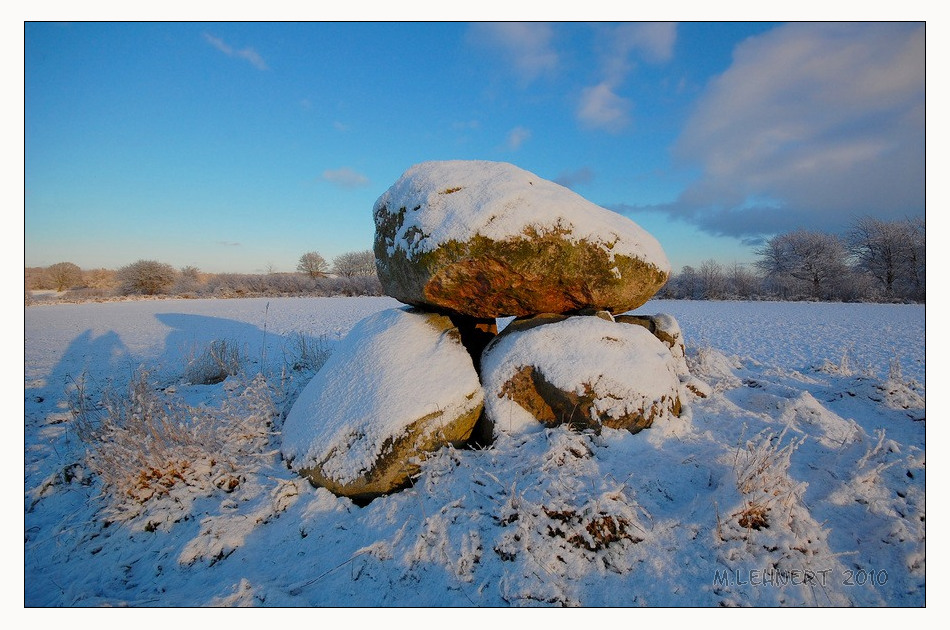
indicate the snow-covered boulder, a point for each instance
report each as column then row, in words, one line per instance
column 488, row 239
column 399, row 385
column 665, row 328
column 584, row 371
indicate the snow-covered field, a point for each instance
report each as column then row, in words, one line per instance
column 799, row 481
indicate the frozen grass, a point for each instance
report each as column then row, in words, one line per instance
column 220, row 359
column 306, row 353
column 153, row 451
column 761, row 469
column 798, row 462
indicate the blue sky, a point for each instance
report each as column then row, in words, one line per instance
column 240, row 146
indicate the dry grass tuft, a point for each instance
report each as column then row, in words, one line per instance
column 307, row 353
column 761, row 470
column 221, row 359
column 147, row 446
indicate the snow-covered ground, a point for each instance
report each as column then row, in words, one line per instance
column 799, row 481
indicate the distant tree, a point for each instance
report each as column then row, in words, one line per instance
column 147, row 277
column 64, row 275
column 188, row 280
column 361, row 263
column 891, row 252
column 688, row 284
column 312, row 264
column 918, row 260
column 742, row 282
column 814, row 259
column 99, row 278
column 36, row 278
column 713, row 280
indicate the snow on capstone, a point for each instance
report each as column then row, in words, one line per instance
column 500, row 200
column 396, row 369
column 489, row 239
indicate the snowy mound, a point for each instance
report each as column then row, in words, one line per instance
column 582, row 371
column 399, row 385
column 489, row 239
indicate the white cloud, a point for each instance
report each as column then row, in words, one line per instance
column 526, row 46
column 346, row 178
column 247, row 54
column 620, row 47
column 826, row 120
column 651, row 41
column 517, row 137
column 654, row 40
column 601, row 108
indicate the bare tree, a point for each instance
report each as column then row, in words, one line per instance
column 64, row 275
column 688, row 284
column 312, row 264
column 892, row 252
column 815, row 259
column 918, row 258
column 99, row 278
column 188, row 281
column 146, row 276
column 361, row 263
column 713, row 280
column 880, row 248
column 742, row 282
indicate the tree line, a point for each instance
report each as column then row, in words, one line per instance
column 351, row 273
column 875, row 260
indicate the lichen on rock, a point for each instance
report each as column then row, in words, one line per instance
column 583, row 371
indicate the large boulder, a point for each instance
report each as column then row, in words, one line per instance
column 400, row 385
column 665, row 328
column 488, row 239
column 584, row 371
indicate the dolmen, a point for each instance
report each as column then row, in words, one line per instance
column 463, row 244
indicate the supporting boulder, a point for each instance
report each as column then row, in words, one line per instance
column 399, row 386
column 583, row 371
column 665, row 328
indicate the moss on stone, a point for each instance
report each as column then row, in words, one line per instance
column 399, row 457
column 543, row 270
column 553, row 406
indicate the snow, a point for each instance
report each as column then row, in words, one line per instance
column 394, row 368
column 626, row 368
column 456, row 200
column 800, row 479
